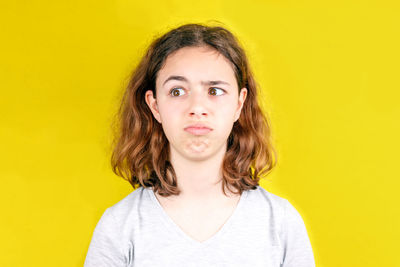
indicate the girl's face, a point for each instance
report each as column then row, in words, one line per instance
column 197, row 102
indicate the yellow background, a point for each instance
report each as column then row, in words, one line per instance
column 329, row 71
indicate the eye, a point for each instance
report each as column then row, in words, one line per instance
column 214, row 91
column 175, row 91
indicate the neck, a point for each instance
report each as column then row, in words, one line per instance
column 199, row 180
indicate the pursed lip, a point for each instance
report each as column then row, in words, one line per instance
column 198, row 125
column 198, row 129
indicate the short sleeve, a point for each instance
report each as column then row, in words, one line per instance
column 296, row 243
column 105, row 247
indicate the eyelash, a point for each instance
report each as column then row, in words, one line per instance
column 170, row 92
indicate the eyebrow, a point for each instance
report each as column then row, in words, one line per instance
column 182, row 78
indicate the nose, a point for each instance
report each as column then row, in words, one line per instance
column 198, row 105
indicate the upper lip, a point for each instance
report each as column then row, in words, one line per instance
column 198, row 125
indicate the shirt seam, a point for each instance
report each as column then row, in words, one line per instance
column 117, row 244
column 284, row 231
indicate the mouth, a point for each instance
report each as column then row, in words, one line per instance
column 198, row 129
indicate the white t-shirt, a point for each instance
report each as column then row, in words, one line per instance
column 264, row 230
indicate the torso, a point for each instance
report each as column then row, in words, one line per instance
column 199, row 221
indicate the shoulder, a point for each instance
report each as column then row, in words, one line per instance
column 130, row 204
column 277, row 203
column 273, row 201
column 270, row 207
column 116, row 215
column 111, row 244
column 279, row 210
column 119, row 221
column 288, row 224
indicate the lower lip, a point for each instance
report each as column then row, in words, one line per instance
column 198, row 130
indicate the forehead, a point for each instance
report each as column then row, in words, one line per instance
column 197, row 63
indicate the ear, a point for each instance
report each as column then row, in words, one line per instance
column 152, row 103
column 242, row 98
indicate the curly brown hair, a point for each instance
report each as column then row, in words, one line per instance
column 140, row 150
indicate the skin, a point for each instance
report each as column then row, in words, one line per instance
column 197, row 159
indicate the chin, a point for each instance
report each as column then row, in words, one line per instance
column 198, row 158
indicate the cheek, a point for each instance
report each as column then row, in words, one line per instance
column 227, row 111
column 169, row 119
column 225, row 120
column 227, row 115
column 167, row 113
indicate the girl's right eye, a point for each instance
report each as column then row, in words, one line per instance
column 175, row 91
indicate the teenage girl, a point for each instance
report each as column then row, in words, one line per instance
column 193, row 142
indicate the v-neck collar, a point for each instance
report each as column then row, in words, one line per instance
column 170, row 223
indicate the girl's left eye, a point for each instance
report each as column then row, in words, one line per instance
column 214, row 91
